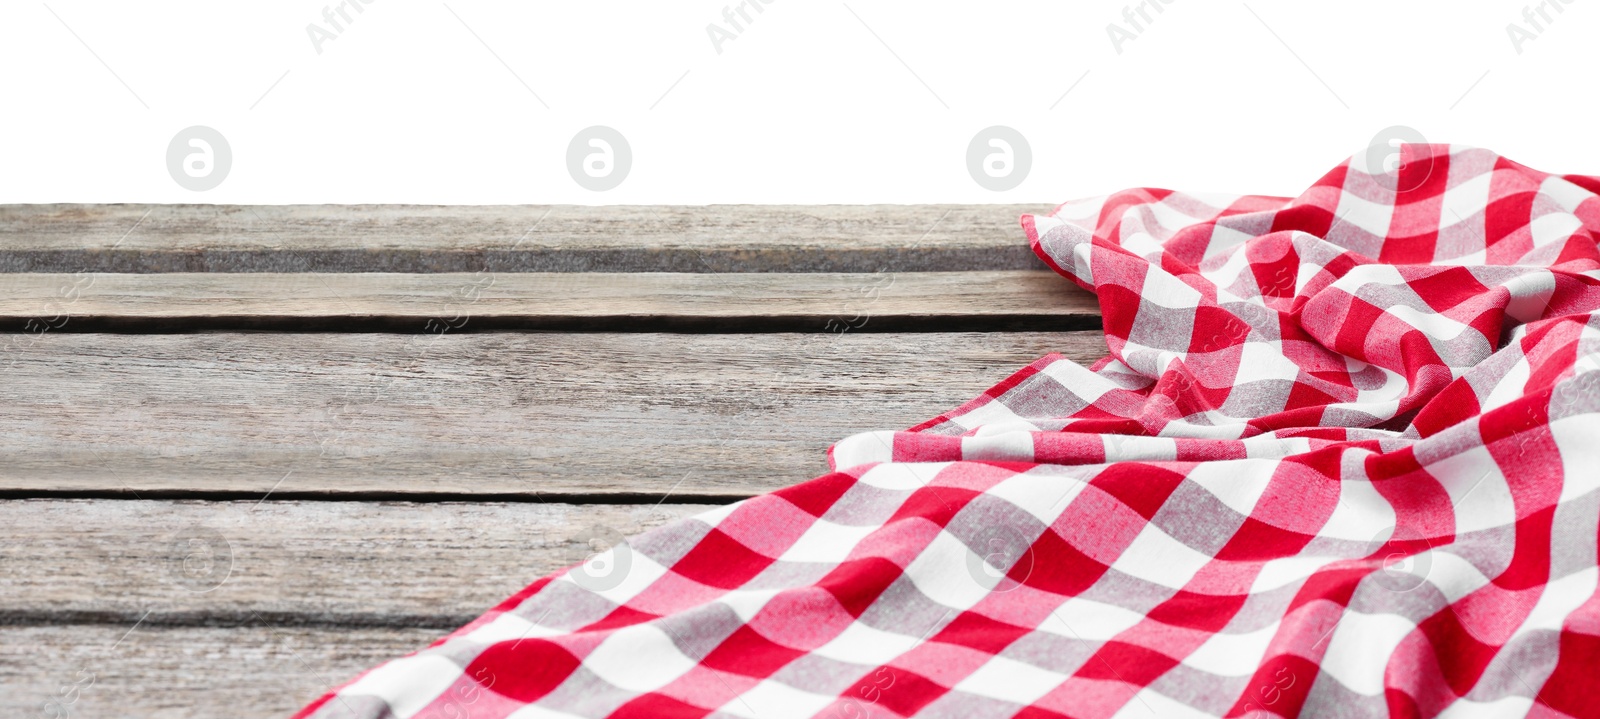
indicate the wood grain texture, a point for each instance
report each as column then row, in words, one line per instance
column 526, row 238
column 144, row 601
column 435, row 303
column 244, row 672
column 592, row 417
column 328, row 564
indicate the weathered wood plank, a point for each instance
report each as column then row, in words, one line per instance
column 630, row 417
column 330, row 564
column 384, row 302
column 556, row 238
column 117, row 671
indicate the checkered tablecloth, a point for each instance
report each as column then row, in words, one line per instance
column 1343, row 460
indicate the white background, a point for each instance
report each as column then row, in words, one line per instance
column 816, row 101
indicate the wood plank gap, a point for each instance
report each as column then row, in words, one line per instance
column 336, row 495
column 152, row 617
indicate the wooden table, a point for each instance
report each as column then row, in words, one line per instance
column 247, row 452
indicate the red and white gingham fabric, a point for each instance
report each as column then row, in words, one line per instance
column 1343, row 460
